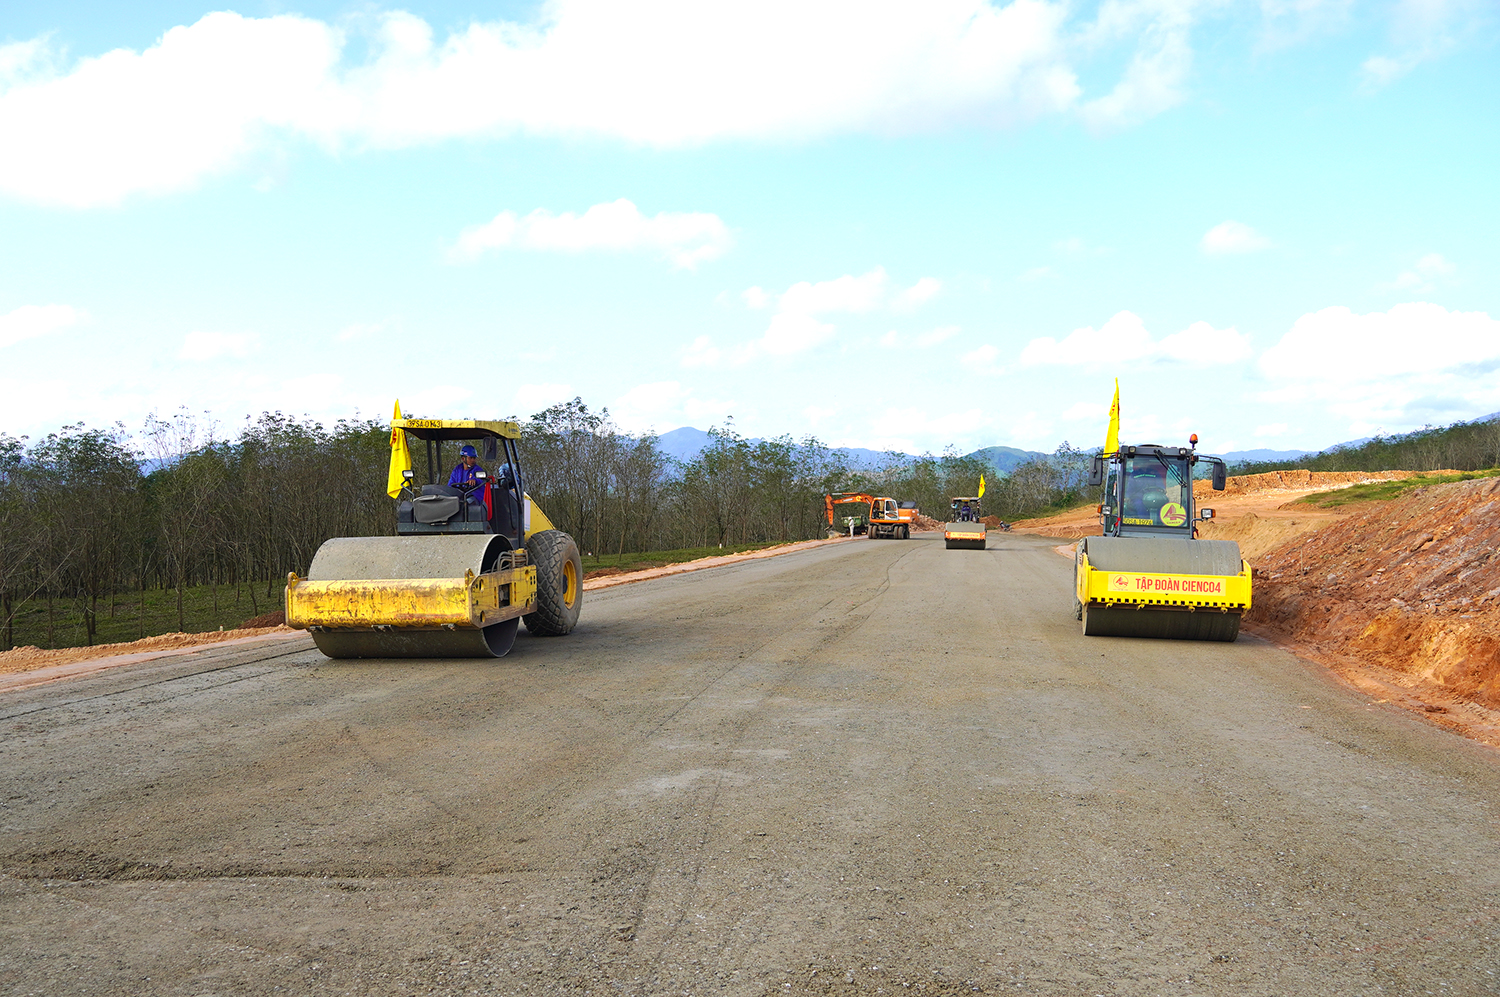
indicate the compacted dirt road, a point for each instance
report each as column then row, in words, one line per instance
column 872, row 767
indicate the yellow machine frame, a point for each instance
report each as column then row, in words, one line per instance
column 1124, row 589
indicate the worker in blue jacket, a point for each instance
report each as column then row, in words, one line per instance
column 463, row 475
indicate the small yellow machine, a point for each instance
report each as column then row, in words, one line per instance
column 468, row 563
column 1149, row 575
column 965, row 528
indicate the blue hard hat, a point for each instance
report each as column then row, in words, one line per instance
column 467, row 451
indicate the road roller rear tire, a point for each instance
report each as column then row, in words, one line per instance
column 1163, row 624
column 559, row 583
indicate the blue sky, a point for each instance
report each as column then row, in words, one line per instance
column 890, row 225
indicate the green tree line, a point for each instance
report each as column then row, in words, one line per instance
column 1462, row 446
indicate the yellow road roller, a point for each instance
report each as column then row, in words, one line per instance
column 965, row 528
column 471, row 559
column 1149, row 575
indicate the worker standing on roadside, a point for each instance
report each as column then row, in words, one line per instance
column 463, row 475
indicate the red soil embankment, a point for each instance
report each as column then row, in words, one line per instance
column 1411, row 585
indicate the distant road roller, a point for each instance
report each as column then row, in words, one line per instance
column 1149, row 575
column 965, row 528
column 470, row 560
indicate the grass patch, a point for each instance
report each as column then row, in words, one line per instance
column 131, row 620
column 1384, row 491
column 662, row 558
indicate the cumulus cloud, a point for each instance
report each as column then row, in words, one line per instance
column 1338, row 345
column 796, row 328
column 532, row 398
column 1232, row 237
column 35, row 321
column 1155, row 79
column 217, row 345
column 981, row 358
column 648, row 407
column 1424, row 273
column 917, row 295
column 844, row 294
column 1125, row 337
column 1417, row 362
column 664, row 73
column 1423, row 30
column 685, row 238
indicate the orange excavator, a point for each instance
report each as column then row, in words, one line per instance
column 882, row 516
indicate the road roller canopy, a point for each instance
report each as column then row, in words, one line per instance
column 459, row 429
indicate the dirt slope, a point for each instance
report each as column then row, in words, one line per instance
column 1411, row 586
column 1259, row 498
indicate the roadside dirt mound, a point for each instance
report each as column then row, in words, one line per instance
column 1411, row 585
column 29, row 658
column 925, row 524
column 1301, row 481
column 264, row 620
column 1261, row 498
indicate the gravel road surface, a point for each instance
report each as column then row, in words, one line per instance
column 873, row 767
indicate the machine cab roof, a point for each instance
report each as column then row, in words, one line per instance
column 459, row 429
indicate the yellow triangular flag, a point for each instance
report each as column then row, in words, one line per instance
column 981, row 486
column 400, row 457
column 1112, row 435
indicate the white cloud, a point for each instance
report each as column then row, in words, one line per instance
column 794, row 328
column 215, row 345
column 1271, row 430
column 1232, row 237
column 1423, row 30
column 1037, row 273
column 360, row 330
column 1337, row 345
column 917, row 295
column 34, row 321
column 1125, row 339
column 1415, row 364
column 1155, row 78
column 530, row 399
column 193, row 104
column 663, row 405
column 702, row 352
column 941, row 334
column 1093, row 411
column 1202, row 343
column 663, row 73
column 981, row 358
column 792, row 332
column 685, row 238
column 1289, row 22
column 756, row 297
column 1424, row 273
column 844, row 294
column 963, row 427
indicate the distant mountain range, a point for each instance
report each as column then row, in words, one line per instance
column 687, row 443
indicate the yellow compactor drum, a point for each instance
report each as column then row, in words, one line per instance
column 449, row 596
column 1161, row 587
